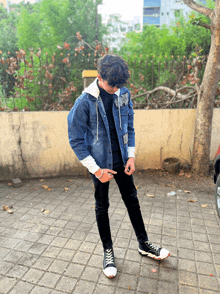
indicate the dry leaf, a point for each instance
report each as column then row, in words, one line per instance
column 43, row 209
column 188, row 176
column 129, row 288
column 191, row 200
column 204, row 205
column 46, row 211
column 6, row 208
column 69, row 180
column 137, row 187
column 187, row 191
column 93, row 207
column 66, row 189
column 45, row 187
column 48, row 189
column 41, row 180
column 10, row 184
column 154, row 270
column 148, row 195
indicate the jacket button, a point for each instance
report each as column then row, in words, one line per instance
column 110, row 152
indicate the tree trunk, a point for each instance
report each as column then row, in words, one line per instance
column 205, row 104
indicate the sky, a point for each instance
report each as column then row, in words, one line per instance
column 128, row 9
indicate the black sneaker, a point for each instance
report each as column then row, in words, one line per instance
column 148, row 249
column 109, row 267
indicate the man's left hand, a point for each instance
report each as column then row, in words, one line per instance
column 129, row 169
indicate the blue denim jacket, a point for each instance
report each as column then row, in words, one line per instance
column 88, row 128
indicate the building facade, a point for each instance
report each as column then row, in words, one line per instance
column 159, row 12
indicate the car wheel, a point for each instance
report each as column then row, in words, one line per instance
column 217, row 195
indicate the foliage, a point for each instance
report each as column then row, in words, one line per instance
column 55, row 22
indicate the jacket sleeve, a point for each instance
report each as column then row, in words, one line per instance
column 77, row 129
column 131, row 132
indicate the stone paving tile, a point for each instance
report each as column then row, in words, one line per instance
column 61, row 252
column 22, row 288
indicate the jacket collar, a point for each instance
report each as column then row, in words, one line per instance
column 93, row 90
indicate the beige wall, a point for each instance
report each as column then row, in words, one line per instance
column 35, row 144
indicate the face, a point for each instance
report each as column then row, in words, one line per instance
column 104, row 85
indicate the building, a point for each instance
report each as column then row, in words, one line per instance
column 4, row 3
column 159, row 12
column 119, row 29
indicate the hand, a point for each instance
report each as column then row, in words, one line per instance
column 106, row 176
column 129, row 168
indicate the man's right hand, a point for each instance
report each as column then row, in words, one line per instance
column 106, row 176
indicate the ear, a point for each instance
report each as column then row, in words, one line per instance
column 99, row 77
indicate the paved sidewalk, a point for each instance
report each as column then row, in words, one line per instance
column 60, row 251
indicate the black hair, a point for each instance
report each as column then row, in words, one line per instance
column 113, row 69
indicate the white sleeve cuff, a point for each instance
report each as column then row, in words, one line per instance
column 131, row 151
column 89, row 162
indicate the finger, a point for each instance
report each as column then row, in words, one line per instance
column 112, row 171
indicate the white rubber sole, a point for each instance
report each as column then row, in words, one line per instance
column 144, row 253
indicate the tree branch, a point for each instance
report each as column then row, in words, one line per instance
column 167, row 90
column 202, row 24
column 199, row 8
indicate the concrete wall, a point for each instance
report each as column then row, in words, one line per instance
column 35, row 144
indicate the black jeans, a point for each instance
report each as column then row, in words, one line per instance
column 129, row 196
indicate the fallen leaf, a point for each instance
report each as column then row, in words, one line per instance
column 191, row 200
column 188, row 176
column 36, row 188
column 43, row 209
column 149, row 195
column 211, row 275
column 45, row 187
column 204, row 205
column 154, row 270
column 66, row 189
column 137, row 187
column 69, row 180
column 41, row 180
column 10, row 184
column 129, row 288
column 46, row 211
column 93, row 207
column 6, row 208
column 48, row 189
column 187, row 191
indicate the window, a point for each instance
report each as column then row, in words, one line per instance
column 152, row 11
column 167, row 13
column 161, row 13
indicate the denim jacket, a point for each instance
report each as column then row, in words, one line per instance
column 88, row 128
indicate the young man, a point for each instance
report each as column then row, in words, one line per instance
column 101, row 133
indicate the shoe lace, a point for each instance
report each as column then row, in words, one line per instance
column 109, row 257
column 155, row 247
